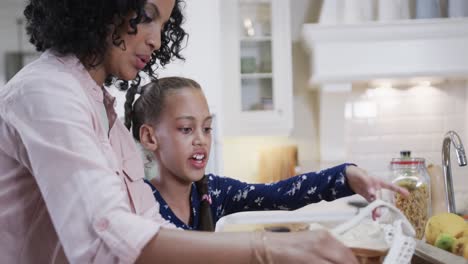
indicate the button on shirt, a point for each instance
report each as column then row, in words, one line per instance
column 71, row 188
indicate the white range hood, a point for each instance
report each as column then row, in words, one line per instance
column 396, row 50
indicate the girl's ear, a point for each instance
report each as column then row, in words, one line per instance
column 148, row 137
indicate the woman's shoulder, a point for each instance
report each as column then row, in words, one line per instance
column 48, row 70
column 48, row 73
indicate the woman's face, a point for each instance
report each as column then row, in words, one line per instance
column 183, row 134
column 127, row 60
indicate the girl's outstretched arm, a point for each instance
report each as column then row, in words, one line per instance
column 231, row 196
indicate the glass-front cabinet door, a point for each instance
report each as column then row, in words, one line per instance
column 257, row 88
column 255, row 55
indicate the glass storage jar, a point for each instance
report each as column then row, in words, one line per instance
column 411, row 174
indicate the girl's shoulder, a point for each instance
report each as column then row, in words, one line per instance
column 222, row 182
column 213, row 178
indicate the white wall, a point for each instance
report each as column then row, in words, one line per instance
column 10, row 11
column 305, row 100
column 202, row 53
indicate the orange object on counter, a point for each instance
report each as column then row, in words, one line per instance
column 277, row 163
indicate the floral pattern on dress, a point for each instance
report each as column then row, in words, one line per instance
column 231, row 196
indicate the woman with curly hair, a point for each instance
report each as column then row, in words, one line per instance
column 71, row 180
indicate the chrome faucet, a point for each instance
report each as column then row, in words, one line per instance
column 451, row 137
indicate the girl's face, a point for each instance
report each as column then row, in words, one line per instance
column 127, row 60
column 183, row 134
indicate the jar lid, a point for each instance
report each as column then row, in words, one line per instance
column 406, row 161
column 406, row 154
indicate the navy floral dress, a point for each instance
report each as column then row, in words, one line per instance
column 230, row 196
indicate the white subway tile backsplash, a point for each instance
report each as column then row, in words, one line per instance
column 361, row 127
column 386, row 127
column 368, row 145
column 371, row 162
column 379, row 123
column 425, row 106
column 364, row 109
column 456, row 123
column 392, row 107
column 430, row 125
column 393, row 119
column 424, row 91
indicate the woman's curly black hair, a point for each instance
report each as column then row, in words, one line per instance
column 81, row 28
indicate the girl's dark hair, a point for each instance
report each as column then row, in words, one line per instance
column 147, row 109
column 206, row 215
column 81, row 28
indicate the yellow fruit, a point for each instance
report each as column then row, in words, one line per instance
column 445, row 241
column 443, row 223
column 463, row 233
column 460, row 247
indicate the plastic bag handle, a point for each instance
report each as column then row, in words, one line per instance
column 407, row 228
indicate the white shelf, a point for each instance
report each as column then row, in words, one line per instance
column 256, row 75
column 256, row 39
column 255, row 1
column 393, row 50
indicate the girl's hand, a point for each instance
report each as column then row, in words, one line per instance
column 368, row 186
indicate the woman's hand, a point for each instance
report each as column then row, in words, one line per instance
column 368, row 186
column 318, row 247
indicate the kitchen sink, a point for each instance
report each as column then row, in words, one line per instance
column 428, row 254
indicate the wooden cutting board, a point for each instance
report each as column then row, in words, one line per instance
column 427, row 254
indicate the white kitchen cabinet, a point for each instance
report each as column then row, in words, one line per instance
column 257, row 82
